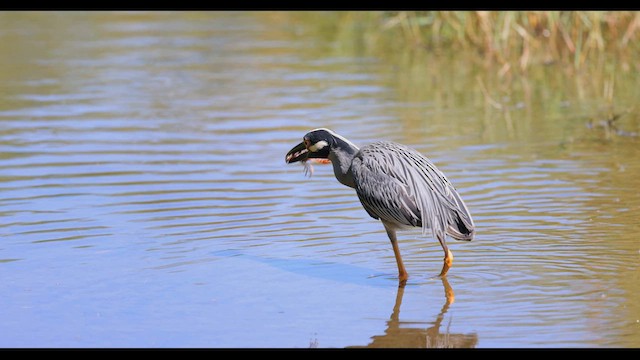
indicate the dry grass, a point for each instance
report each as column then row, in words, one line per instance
column 511, row 39
column 509, row 60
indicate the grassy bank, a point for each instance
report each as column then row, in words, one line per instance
column 587, row 61
column 517, row 39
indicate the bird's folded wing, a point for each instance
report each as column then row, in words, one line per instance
column 399, row 184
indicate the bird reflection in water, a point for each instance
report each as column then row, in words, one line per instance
column 398, row 336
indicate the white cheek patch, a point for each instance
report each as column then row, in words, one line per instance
column 317, row 146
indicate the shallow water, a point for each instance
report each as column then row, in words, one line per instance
column 145, row 201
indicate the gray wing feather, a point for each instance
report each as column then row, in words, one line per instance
column 399, row 185
column 385, row 198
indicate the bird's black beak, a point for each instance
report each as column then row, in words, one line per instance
column 298, row 153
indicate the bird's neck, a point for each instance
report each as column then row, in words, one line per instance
column 341, row 156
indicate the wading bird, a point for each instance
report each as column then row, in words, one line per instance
column 395, row 184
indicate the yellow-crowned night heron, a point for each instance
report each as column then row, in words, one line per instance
column 395, row 184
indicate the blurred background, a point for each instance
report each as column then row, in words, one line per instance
column 145, row 201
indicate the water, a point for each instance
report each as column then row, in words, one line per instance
column 145, row 201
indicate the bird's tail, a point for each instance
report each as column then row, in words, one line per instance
column 461, row 230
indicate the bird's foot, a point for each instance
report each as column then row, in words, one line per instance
column 449, row 258
column 448, row 261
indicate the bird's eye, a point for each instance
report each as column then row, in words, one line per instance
column 307, row 143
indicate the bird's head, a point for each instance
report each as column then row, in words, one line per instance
column 316, row 144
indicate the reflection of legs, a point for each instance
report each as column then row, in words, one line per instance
column 396, row 308
column 448, row 256
column 402, row 273
column 448, row 294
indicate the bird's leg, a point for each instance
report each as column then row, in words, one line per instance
column 448, row 257
column 402, row 273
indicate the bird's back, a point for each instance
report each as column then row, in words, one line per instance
column 402, row 187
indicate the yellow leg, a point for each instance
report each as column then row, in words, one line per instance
column 448, row 261
column 402, row 272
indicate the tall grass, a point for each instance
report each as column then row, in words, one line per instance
column 514, row 39
column 512, row 63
